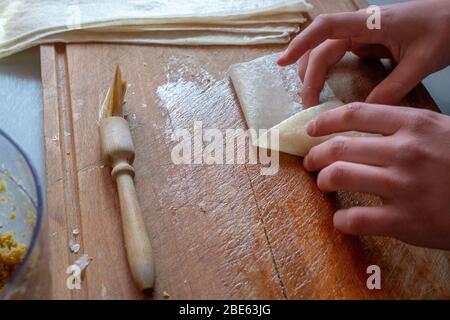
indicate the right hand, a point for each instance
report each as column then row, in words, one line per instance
column 414, row 34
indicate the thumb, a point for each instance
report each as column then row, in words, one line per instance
column 408, row 74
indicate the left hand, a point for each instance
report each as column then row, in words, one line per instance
column 408, row 166
column 418, row 44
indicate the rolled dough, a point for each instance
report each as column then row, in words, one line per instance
column 292, row 131
column 268, row 95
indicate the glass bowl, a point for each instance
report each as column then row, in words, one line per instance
column 23, row 238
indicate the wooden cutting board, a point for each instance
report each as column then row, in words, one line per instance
column 218, row 232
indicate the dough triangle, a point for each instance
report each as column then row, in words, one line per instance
column 293, row 138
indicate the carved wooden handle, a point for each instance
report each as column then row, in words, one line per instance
column 139, row 250
column 118, row 148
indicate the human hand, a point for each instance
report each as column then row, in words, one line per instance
column 408, row 166
column 414, row 34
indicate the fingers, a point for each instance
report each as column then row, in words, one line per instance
column 365, row 150
column 347, row 176
column 375, row 221
column 362, row 117
column 330, row 26
column 321, row 59
column 302, row 65
column 402, row 80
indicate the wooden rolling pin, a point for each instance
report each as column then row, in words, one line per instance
column 118, row 150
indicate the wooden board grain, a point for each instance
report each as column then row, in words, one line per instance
column 218, row 232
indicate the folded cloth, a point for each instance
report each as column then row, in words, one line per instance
column 27, row 23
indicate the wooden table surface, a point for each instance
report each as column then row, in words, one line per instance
column 218, row 232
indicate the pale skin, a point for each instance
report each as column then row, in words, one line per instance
column 408, row 163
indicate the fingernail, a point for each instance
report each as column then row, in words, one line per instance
column 339, row 221
column 311, row 128
column 281, row 58
column 305, row 163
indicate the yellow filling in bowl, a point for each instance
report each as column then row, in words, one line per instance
column 11, row 255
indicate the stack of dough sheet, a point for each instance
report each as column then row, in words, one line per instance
column 268, row 95
column 26, row 23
